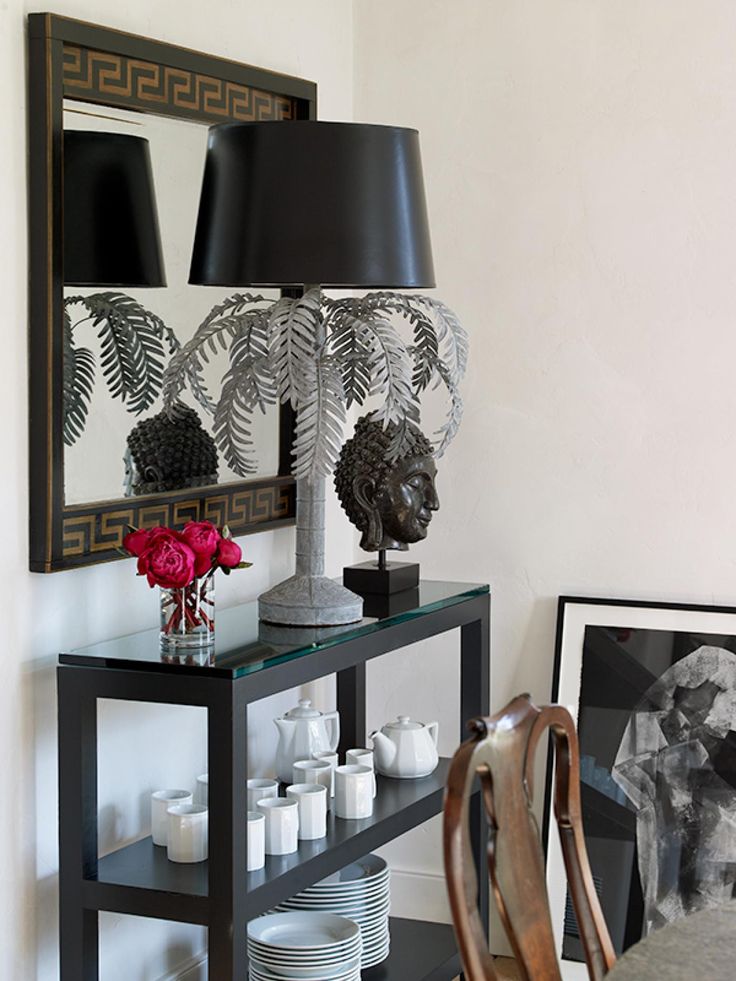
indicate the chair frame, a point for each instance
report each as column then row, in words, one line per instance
column 501, row 753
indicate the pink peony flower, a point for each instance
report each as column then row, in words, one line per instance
column 136, row 542
column 168, row 563
column 229, row 554
column 203, row 538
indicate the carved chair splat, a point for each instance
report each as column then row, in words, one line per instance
column 500, row 753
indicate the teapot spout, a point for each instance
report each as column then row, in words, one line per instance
column 385, row 750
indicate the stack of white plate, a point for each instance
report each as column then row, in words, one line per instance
column 361, row 892
column 297, row 946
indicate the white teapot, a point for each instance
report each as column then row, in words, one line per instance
column 406, row 749
column 304, row 731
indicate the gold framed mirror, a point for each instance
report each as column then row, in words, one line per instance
column 100, row 340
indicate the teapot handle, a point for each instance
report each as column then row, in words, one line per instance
column 434, row 729
column 334, row 719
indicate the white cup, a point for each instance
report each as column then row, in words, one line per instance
column 201, row 791
column 362, row 757
column 333, row 760
column 161, row 801
column 187, row 833
column 312, row 801
column 259, row 790
column 353, row 791
column 313, row 771
column 256, row 840
column 282, row 825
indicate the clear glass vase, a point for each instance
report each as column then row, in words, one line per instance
column 188, row 615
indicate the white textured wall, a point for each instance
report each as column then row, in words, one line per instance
column 140, row 747
column 579, row 158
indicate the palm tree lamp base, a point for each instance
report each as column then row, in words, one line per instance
column 310, row 601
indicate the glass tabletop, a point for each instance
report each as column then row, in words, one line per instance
column 244, row 645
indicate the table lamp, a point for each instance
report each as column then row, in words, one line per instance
column 111, row 234
column 312, row 204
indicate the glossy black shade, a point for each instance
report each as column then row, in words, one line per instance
column 111, row 234
column 292, row 203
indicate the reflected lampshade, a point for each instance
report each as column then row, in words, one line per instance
column 295, row 203
column 111, row 234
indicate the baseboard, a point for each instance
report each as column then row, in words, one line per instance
column 414, row 896
column 193, row 969
column 419, row 896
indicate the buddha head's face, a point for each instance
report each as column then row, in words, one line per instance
column 390, row 501
column 403, row 501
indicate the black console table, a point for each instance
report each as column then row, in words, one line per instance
column 250, row 662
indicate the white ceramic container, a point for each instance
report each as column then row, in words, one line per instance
column 313, row 771
column 161, row 801
column 406, row 749
column 187, row 833
column 304, row 731
column 353, row 791
column 334, row 760
column 256, row 840
column 202, row 790
column 312, row 801
column 282, row 825
column 362, row 757
column 260, row 790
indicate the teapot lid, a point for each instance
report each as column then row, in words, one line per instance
column 404, row 722
column 303, row 710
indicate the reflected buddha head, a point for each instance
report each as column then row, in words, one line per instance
column 389, row 500
column 169, row 453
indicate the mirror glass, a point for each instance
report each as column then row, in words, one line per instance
column 112, row 383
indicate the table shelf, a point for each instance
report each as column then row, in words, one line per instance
column 138, row 879
column 400, row 805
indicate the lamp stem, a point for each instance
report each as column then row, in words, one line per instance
column 310, row 498
column 308, row 598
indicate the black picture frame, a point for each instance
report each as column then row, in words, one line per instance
column 71, row 59
column 622, row 651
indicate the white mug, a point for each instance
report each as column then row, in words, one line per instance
column 259, row 790
column 313, row 771
column 187, row 833
column 333, row 759
column 362, row 757
column 161, row 801
column 282, row 825
column 201, row 792
column 353, row 791
column 256, row 840
column 312, row 801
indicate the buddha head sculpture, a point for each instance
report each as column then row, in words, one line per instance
column 165, row 454
column 390, row 501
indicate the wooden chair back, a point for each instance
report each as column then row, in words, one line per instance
column 501, row 754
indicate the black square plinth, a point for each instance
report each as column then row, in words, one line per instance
column 368, row 577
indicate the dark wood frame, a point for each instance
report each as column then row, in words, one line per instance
column 72, row 59
column 623, row 604
column 501, row 754
column 220, row 894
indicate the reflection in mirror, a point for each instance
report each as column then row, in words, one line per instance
column 125, row 317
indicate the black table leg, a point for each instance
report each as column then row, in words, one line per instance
column 351, row 706
column 474, row 701
column 77, row 724
column 227, row 732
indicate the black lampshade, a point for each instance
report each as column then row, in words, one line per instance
column 111, row 235
column 331, row 204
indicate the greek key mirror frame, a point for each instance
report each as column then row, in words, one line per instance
column 70, row 59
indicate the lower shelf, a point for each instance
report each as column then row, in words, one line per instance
column 420, row 951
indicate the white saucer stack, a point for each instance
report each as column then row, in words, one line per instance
column 304, row 946
column 362, row 893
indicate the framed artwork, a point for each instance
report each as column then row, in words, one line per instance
column 652, row 689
